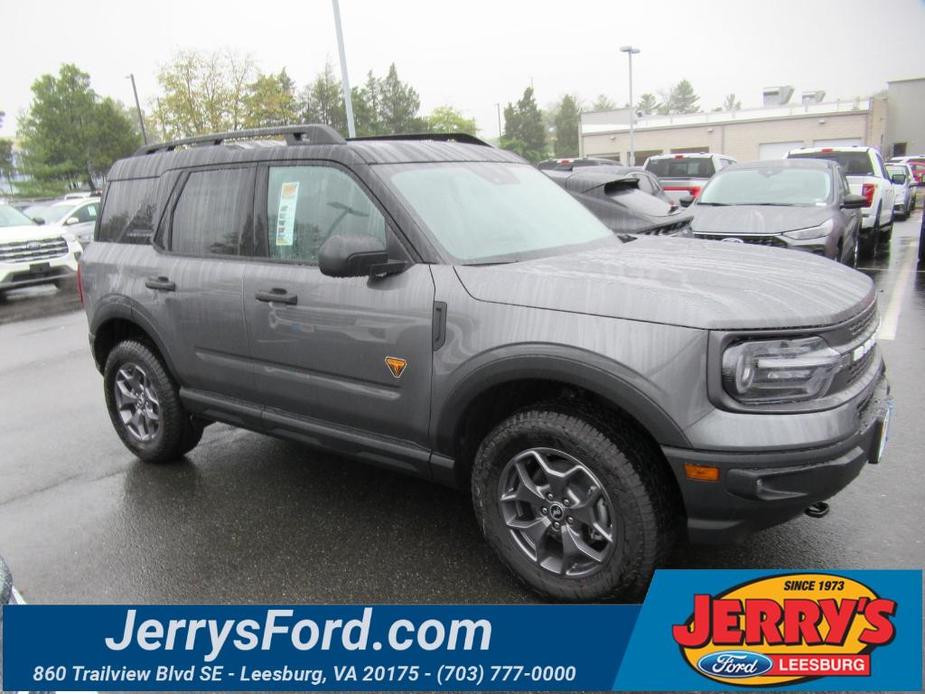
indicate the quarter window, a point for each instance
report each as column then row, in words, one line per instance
column 306, row 205
column 213, row 212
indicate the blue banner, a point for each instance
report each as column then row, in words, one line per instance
column 697, row 630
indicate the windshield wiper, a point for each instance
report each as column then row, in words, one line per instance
column 490, row 262
column 715, row 204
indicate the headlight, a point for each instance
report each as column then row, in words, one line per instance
column 767, row 371
column 818, row 232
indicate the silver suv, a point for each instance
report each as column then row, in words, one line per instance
column 444, row 309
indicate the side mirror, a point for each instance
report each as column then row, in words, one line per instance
column 686, row 201
column 854, row 202
column 71, row 220
column 38, row 220
column 898, row 178
column 356, row 255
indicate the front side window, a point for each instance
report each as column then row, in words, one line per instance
column 87, row 213
column 491, row 211
column 213, row 212
column 770, row 186
column 307, row 205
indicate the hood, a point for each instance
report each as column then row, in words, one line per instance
column 30, row 232
column 756, row 219
column 684, row 282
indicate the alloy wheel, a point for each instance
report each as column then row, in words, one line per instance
column 137, row 402
column 557, row 511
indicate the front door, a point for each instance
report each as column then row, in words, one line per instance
column 350, row 355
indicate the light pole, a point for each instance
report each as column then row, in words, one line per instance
column 500, row 132
column 344, row 81
column 141, row 119
column 630, row 52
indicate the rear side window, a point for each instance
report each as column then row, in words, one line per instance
column 852, row 163
column 128, row 212
column 213, row 212
column 688, row 167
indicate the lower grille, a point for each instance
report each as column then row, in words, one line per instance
column 31, row 251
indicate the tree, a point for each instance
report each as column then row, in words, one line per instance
column 647, row 105
column 270, row 100
column 398, row 105
column 446, row 119
column 366, row 107
column 565, row 125
column 323, row 101
column 603, row 103
column 69, row 136
column 524, row 130
column 730, row 103
column 6, row 161
column 202, row 93
column 679, row 99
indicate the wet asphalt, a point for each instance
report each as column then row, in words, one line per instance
column 246, row 518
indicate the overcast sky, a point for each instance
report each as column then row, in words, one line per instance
column 475, row 54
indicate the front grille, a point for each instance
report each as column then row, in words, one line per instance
column 666, row 230
column 755, row 240
column 32, row 251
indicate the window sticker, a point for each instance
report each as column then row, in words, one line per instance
column 285, row 217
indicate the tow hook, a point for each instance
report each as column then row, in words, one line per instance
column 818, row 510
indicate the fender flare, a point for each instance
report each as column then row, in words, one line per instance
column 595, row 373
column 121, row 308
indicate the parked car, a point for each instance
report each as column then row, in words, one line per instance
column 684, row 175
column 903, row 189
column 31, row 254
column 569, row 164
column 803, row 204
column 462, row 318
column 75, row 215
column 867, row 176
column 916, row 163
column 616, row 197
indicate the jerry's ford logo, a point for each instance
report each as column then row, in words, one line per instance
column 734, row 664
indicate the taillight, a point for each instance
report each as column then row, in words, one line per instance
column 868, row 190
column 695, row 191
column 80, row 286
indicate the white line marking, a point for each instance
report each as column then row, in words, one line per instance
column 890, row 322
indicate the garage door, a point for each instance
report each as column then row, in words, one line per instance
column 843, row 142
column 777, row 150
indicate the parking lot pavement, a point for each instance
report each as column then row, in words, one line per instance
column 248, row 518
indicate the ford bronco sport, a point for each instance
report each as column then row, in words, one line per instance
column 444, row 309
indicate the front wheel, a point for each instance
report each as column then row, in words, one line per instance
column 577, row 509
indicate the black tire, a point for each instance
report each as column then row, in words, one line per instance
column 868, row 245
column 922, row 240
column 176, row 433
column 642, row 498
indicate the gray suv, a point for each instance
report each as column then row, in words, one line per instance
column 439, row 307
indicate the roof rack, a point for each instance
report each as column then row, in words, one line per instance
column 294, row 134
column 462, row 138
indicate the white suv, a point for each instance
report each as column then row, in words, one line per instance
column 867, row 176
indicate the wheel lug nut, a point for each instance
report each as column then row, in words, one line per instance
column 570, row 520
column 549, row 496
column 544, row 510
column 557, row 525
column 566, row 502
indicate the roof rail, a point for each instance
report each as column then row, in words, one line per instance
column 463, row 138
column 294, row 134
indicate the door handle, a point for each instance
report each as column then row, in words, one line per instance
column 160, row 283
column 277, row 296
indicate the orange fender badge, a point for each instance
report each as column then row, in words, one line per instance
column 396, row 365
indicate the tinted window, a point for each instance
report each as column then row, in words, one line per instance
column 306, row 205
column 213, row 212
column 693, row 167
column 128, row 215
column 853, row 163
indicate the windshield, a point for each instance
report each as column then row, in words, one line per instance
column 852, row 163
column 11, row 217
column 493, row 212
column 893, row 169
column 55, row 213
column 687, row 167
column 770, row 186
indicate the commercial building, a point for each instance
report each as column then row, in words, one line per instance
column 905, row 118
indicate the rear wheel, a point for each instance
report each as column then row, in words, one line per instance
column 576, row 509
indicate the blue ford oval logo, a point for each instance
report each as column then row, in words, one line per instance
column 734, row 664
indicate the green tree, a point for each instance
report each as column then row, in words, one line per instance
column 565, row 126
column 399, row 104
column 446, row 119
column 69, row 136
column 647, row 105
column 679, row 99
column 603, row 103
column 730, row 103
column 271, row 100
column 6, row 161
column 323, row 101
column 524, row 129
column 366, row 107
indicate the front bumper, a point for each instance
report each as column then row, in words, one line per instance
column 760, row 489
column 13, row 275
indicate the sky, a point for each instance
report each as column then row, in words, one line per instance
column 476, row 54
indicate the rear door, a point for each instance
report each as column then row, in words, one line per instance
column 85, row 217
column 347, row 354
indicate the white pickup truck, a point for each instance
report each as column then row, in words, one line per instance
column 867, row 176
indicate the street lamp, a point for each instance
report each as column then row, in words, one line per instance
column 344, row 81
column 141, row 118
column 630, row 52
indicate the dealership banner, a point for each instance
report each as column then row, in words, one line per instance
column 696, row 630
